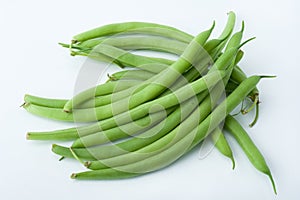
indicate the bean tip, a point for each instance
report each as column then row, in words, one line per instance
column 64, row 45
column 74, row 41
column 268, row 76
column 23, row 105
column 73, row 176
column 61, row 158
column 87, row 164
column 273, row 182
column 27, row 136
column 67, row 110
column 53, row 147
column 243, row 26
column 213, row 25
column 231, row 13
column 233, row 163
column 73, row 53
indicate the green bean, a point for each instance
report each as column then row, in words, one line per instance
column 122, row 56
column 133, row 27
column 174, row 151
column 222, row 145
column 252, row 152
column 143, row 28
column 51, row 103
column 153, row 42
column 87, row 115
column 105, row 174
column 138, row 43
column 109, row 134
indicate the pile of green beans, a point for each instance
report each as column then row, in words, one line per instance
column 154, row 111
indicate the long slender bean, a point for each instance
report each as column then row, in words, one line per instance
column 86, row 115
column 133, row 27
column 137, row 43
column 222, row 145
column 107, row 135
column 251, row 151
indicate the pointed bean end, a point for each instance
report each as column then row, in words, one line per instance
column 61, row 158
column 233, row 163
column 64, row 45
column 213, row 25
column 243, row 26
column 28, row 136
column 273, row 182
column 264, row 76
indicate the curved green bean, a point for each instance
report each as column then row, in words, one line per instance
column 222, row 145
column 87, row 115
column 133, row 27
column 154, row 43
column 252, row 152
column 114, row 133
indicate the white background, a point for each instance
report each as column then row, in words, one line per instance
column 32, row 62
